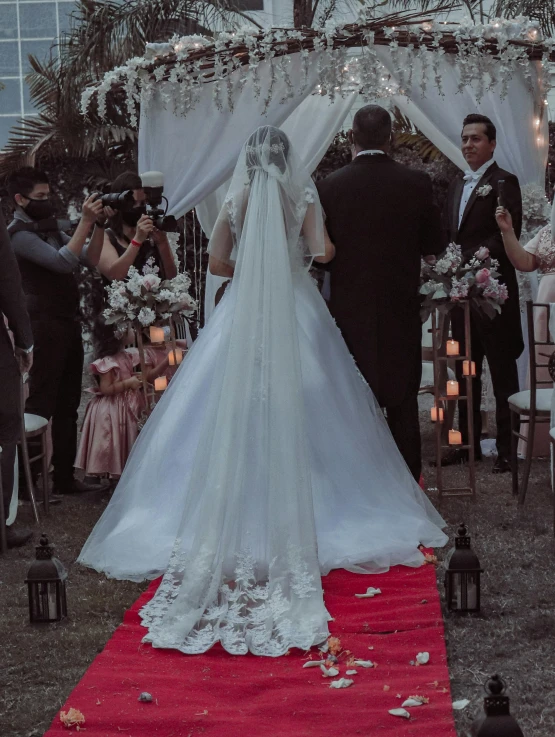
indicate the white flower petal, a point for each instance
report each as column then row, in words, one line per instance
column 423, row 658
column 370, row 593
column 364, row 663
column 313, row 663
column 400, row 713
column 461, row 704
column 329, row 672
column 341, row 683
column 412, row 702
column 351, row 672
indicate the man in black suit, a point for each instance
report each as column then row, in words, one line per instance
column 469, row 220
column 382, row 220
column 14, row 361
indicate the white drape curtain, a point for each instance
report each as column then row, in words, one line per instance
column 198, row 152
column 520, row 118
column 310, row 128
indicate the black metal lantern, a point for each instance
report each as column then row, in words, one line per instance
column 497, row 721
column 46, row 581
column 462, row 577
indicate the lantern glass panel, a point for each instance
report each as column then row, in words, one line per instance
column 47, row 601
column 464, row 591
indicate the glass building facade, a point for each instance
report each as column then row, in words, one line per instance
column 26, row 27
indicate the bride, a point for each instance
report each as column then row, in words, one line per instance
column 267, row 462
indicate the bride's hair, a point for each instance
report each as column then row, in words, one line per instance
column 270, row 141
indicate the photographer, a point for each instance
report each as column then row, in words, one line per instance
column 131, row 238
column 48, row 259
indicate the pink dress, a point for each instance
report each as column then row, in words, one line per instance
column 543, row 248
column 111, row 423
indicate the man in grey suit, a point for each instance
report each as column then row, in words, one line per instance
column 15, row 360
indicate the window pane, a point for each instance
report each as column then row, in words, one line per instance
column 10, row 96
column 8, row 21
column 37, row 20
column 64, row 11
column 9, row 59
column 40, row 49
column 28, row 106
column 5, row 125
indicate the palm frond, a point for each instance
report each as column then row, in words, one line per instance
column 102, row 35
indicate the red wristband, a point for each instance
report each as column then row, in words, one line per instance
column 136, row 243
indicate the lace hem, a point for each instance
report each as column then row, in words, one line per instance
column 194, row 607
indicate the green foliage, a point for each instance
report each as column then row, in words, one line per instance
column 102, row 36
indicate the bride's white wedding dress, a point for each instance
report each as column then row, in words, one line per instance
column 267, row 462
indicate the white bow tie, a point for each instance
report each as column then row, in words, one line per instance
column 471, row 176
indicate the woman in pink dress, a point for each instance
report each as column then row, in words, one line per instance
column 538, row 254
column 112, row 416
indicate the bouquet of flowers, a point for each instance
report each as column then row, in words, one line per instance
column 451, row 279
column 145, row 299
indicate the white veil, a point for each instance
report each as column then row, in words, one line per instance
column 251, row 468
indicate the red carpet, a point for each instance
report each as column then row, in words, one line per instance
column 218, row 695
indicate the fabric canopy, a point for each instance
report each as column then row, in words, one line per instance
column 197, row 153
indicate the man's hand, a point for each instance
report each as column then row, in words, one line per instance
column 24, row 361
column 92, row 209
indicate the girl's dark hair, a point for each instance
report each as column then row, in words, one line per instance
column 104, row 339
column 125, row 181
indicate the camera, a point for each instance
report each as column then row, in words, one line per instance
column 153, row 185
column 119, row 200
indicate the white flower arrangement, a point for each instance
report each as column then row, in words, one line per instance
column 181, row 64
column 484, row 190
column 453, row 279
column 144, row 299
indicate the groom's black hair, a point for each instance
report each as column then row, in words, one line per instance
column 491, row 131
column 372, row 127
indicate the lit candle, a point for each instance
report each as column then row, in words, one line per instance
column 175, row 357
column 452, row 388
column 437, row 414
column 160, row 384
column 469, row 368
column 156, row 335
column 455, row 437
column 452, row 347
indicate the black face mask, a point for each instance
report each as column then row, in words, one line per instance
column 39, row 209
column 132, row 217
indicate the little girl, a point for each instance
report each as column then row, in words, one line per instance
column 111, row 422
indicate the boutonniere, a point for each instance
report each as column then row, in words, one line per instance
column 484, row 190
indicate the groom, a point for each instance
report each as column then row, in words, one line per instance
column 382, row 220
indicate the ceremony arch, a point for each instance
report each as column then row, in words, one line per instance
column 195, row 100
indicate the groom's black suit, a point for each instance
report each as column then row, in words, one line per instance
column 500, row 339
column 381, row 218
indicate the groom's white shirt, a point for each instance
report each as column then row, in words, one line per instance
column 471, row 179
column 370, row 152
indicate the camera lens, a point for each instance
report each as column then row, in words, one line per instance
column 119, row 200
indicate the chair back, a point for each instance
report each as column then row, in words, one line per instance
column 541, row 346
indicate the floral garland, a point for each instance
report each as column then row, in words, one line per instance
column 486, row 54
column 451, row 279
column 144, row 299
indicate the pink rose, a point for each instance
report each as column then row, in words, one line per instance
column 482, row 253
column 482, row 276
column 151, row 281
